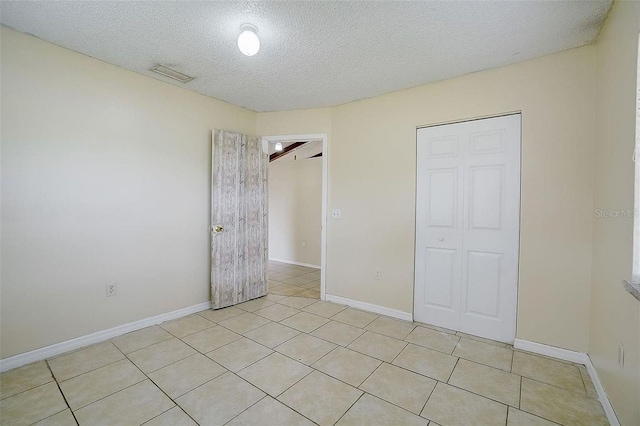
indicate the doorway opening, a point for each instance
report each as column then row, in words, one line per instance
column 297, row 182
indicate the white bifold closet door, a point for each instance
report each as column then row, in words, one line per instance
column 239, row 231
column 467, row 226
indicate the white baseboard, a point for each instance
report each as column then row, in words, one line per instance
column 291, row 262
column 579, row 358
column 100, row 336
column 394, row 313
column 552, row 351
column 602, row 395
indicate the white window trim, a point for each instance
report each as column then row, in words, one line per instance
column 634, row 286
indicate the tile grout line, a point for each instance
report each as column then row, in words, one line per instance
column 472, row 392
column 366, row 378
column 282, row 343
column 322, row 338
column 511, row 364
column 186, row 335
column 520, row 401
column 486, row 397
column 425, row 403
column 248, row 365
column 406, row 345
column 559, row 387
column 477, row 361
column 351, row 406
column 362, row 353
column 175, row 404
column 276, row 397
column 88, row 371
column 183, row 359
column 171, row 336
column 91, row 371
column 31, row 388
column 583, row 382
column 272, row 320
column 61, row 393
column 171, row 363
column 525, row 411
column 113, row 393
column 199, row 351
column 543, row 418
column 93, row 345
column 266, row 395
column 393, row 403
column 165, row 411
column 410, row 371
column 323, row 357
column 434, row 349
column 39, row 386
column 452, row 370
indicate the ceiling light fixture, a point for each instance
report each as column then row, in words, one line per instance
column 248, row 41
column 278, row 146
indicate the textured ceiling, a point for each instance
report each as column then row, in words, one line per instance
column 313, row 54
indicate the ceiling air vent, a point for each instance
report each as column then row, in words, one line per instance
column 168, row 72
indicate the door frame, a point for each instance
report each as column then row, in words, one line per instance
column 415, row 234
column 325, row 180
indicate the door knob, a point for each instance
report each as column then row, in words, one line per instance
column 217, row 228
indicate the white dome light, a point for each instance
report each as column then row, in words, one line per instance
column 248, row 41
column 278, row 146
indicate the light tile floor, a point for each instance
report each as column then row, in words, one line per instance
column 289, row 359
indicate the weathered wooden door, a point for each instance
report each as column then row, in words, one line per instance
column 239, row 231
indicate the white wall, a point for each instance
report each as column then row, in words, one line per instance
column 105, row 178
column 615, row 314
column 372, row 169
column 295, row 210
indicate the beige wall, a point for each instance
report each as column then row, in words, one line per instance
column 295, row 210
column 105, row 178
column 372, row 165
column 97, row 115
column 615, row 314
column 297, row 122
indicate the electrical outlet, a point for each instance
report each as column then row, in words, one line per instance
column 378, row 275
column 112, row 289
column 336, row 214
column 620, row 355
column 304, row 244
